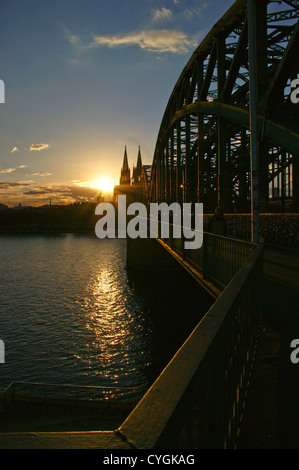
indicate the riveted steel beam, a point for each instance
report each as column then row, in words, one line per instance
column 274, row 131
column 210, row 106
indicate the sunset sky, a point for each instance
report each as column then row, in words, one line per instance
column 84, row 78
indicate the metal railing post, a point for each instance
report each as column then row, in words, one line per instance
column 205, row 257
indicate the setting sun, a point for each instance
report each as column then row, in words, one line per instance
column 105, row 184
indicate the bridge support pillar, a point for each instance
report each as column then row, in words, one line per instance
column 145, row 254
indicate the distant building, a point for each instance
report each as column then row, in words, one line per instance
column 137, row 170
column 137, row 188
column 125, row 174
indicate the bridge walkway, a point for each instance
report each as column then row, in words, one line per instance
column 272, row 413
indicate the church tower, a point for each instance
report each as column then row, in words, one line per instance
column 137, row 170
column 125, row 177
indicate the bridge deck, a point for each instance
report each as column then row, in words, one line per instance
column 272, row 413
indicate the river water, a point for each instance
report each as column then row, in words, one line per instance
column 70, row 313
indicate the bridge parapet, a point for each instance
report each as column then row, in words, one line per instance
column 199, row 398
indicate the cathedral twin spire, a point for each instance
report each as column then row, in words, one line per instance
column 125, row 176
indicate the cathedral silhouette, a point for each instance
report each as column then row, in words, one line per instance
column 125, row 175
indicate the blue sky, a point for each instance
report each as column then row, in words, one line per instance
column 84, row 78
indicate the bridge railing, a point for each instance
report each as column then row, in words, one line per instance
column 62, row 392
column 199, row 398
column 219, row 258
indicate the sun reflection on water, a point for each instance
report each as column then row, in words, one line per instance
column 118, row 328
column 72, row 314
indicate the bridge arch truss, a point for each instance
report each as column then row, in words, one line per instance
column 202, row 152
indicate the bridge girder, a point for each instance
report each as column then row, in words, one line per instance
column 202, row 149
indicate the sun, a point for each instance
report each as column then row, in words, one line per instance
column 105, row 184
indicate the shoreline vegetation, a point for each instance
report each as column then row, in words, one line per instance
column 71, row 218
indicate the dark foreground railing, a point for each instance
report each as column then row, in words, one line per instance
column 199, row 398
column 64, row 392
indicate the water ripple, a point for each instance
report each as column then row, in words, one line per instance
column 71, row 313
column 68, row 315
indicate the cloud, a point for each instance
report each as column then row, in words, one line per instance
column 82, row 184
column 74, row 40
column 62, row 194
column 10, row 170
column 162, row 40
column 36, row 192
column 191, row 13
column 31, row 193
column 25, row 183
column 9, row 185
column 42, row 173
column 39, row 147
column 7, row 170
column 162, row 14
column 15, row 149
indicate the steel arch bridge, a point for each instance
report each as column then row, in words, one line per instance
column 202, row 151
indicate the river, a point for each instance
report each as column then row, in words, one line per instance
column 71, row 313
